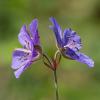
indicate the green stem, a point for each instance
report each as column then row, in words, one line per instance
column 56, row 85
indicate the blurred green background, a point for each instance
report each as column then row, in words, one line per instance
column 76, row 80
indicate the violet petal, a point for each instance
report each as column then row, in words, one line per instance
column 80, row 57
column 72, row 40
column 57, row 30
column 24, row 38
column 18, row 72
column 34, row 32
column 20, row 57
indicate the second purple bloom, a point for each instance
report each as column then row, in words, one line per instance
column 69, row 44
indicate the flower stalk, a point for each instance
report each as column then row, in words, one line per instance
column 52, row 64
column 56, row 84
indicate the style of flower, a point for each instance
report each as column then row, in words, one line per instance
column 69, row 44
column 31, row 51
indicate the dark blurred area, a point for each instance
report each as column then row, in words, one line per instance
column 76, row 80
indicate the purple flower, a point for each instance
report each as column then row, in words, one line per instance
column 24, row 57
column 69, row 44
